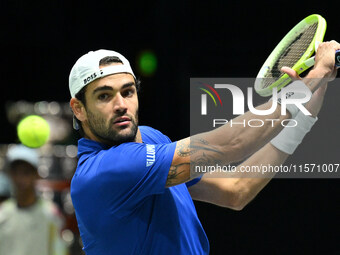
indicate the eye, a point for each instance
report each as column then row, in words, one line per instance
column 103, row 97
column 129, row 92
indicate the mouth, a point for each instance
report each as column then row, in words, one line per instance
column 122, row 121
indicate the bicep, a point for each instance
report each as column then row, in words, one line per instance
column 179, row 171
column 190, row 154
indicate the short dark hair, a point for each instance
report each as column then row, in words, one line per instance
column 109, row 60
column 13, row 165
column 81, row 94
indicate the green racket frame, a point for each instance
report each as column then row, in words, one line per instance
column 304, row 63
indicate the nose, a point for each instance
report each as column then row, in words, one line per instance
column 119, row 104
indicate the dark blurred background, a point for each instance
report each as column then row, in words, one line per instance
column 41, row 41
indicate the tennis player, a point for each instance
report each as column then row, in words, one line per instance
column 133, row 189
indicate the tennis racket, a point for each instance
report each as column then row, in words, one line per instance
column 295, row 50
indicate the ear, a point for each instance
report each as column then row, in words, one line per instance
column 78, row 109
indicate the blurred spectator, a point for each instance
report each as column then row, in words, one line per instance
column 5, row 187
column 29, row 224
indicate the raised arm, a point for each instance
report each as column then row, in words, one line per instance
column 228, row 144
column 222, row 146
column 235, row 193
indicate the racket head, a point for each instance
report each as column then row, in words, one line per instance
column 293, row 51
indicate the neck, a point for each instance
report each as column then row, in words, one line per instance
column 26, row 199
column 139, row 137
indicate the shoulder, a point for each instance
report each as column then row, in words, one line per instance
column 151, row 135
column 51, row 210
column 7, row 206
column 8, row 210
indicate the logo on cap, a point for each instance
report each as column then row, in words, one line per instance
column 90, row 78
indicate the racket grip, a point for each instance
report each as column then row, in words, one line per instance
column 337, row 58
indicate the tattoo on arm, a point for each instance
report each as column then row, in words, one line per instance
column 174, row 172
column 194, row 152
column 187, row 148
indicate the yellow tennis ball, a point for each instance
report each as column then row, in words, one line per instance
column 33, row 131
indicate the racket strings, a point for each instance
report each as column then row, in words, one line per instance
column 290, row 54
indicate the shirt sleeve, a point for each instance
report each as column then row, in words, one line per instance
column 132, row 172
column 193, row 181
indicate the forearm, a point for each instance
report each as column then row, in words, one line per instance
column 236, row 190
column 224, row 145
column 250, row 184
column 236, row 140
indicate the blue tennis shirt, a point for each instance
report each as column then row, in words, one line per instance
column 122, row 205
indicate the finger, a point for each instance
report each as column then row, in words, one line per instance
column 291, row 73
column 335, row 44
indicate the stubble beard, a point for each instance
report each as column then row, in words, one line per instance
column 107, row 134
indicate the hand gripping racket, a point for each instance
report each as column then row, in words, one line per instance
column 295, row 50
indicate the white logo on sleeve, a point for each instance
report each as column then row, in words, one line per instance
column 150, row 154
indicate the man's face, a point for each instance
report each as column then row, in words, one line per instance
column 111, row 109
column 23, row 176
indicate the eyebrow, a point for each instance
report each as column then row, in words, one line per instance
column 105, row 87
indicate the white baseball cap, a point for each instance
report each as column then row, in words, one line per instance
column 87, row 69
column 21, row 152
